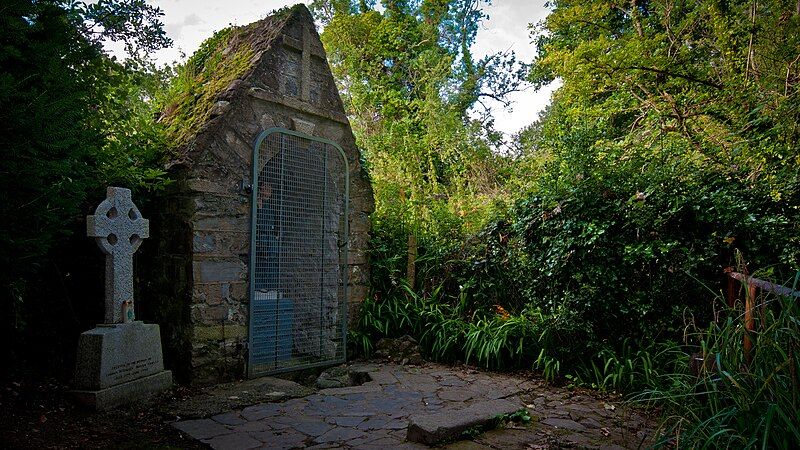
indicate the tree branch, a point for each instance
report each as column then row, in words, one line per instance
column 675, row 75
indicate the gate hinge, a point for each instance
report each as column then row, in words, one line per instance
column 245, row 187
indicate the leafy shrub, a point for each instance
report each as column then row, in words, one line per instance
column 628, row 252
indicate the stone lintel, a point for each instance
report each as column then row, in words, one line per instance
column 263, row 94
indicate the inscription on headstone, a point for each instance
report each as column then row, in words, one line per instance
column 118, row 228
column 132, row 369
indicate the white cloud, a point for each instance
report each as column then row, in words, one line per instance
column 507, row 30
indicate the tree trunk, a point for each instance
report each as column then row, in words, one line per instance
column 411, row 268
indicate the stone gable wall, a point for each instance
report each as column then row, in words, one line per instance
column 205, row 241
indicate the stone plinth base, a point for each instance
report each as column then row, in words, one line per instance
column 120, row 363
column 132, row 391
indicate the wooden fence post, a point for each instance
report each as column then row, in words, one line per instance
column 749, row 322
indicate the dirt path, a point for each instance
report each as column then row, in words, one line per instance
column 37, row 414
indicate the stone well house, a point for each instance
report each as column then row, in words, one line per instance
column 238, row 233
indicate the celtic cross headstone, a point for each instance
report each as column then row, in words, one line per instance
column 118, row 228
column 121, row 360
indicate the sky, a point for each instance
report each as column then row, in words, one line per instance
column 190, row 22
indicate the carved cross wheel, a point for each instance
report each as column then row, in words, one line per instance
column 118, row 228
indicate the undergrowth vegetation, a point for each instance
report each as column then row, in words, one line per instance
column 187, row 103
column 732, row 398
column 589, row 248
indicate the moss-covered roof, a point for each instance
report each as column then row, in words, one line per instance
column 229, row 55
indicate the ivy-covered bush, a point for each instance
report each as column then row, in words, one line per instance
column 629, row 253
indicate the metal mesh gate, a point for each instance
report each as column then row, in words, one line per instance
column 298, row 272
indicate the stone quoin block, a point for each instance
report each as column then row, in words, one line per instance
column 218, row 271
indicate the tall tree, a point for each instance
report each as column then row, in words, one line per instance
column 72, row 120
column 411, row 86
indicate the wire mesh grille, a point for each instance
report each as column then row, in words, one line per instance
column 298, row 267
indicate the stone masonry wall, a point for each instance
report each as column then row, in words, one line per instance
column 291, row 87
column 220, row 228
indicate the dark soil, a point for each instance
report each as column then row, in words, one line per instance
column 41, row 414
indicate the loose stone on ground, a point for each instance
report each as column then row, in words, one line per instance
column 449, row 424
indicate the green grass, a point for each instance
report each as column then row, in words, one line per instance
column 733, row 403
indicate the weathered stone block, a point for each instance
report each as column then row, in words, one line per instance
column 221, row 223
column 210, row 315
column 206, row 185
column 358, row 274
column 221, row 243
column 113, row 354
column 235, row 292
column 218, row 271
column 135, row 390
column 215, row 205
column 120, row 363
column 219, row 332
column 357, row 293
column 448, row 424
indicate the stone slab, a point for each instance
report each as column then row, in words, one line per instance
column 232, row 442
column 110, row 355
column 202, row 428
column 139, row 389
column 566, row 424
column 448, row 424
column 362, row 389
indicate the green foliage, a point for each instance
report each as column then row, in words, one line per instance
column 132, row 22
column 633, row 368
column 623, row 250
column 502, row 341
column 520, row 416
column 671, row 145
column 733, row 402
column 702, row 91
column 409, row 84
column 73, row 121
column 448, row 329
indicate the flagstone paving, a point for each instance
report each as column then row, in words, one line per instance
column 375, row 415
